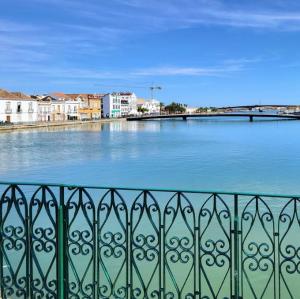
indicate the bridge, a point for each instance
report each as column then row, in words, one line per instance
column 184, row 116
column 270, row 106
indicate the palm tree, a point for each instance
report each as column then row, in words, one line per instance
column 161, row 107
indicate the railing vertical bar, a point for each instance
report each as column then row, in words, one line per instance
column 163, row 249
column 61, row 246
column 236, row 249
column 160, row 258
column 95, row 252
column 196, row 259
column 160, row 252
column 129, row 258
column 1, row 250
column 30, row 233
column 128, row 262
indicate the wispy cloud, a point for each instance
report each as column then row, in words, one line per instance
column 98, row 26
column 228, row 66
column 172, row 14
column 71, row 39
column 81, row 74
column 185, row 71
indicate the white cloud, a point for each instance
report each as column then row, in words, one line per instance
column 179, row 71
column 171, row 14
column 92, row 27
column 67, row 73
column 226, row 67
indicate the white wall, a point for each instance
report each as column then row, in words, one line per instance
column 153, row 106
column 71, row 108
column 106, row 105
column 111, row 105
column 18, row 110
column 44, row 111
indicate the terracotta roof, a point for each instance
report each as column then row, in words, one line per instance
column 72, row 96
column 20, row 95
column 58, row 94
column 12, row 95
column 4, row 93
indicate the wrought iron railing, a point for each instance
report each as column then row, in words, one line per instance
column 89, row 242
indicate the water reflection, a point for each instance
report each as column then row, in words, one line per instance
column 41, row 147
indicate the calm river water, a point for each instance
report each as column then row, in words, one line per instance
column 232, row 155
column 215, row 154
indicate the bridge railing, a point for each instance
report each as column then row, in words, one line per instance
column 61, row 241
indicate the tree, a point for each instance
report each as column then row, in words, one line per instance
column 175, row 108
column 161, row 107
column 206, row 109
column 142, row 109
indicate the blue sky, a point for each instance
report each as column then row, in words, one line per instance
column 202, row 52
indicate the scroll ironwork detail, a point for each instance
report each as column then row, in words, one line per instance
column 86, row 242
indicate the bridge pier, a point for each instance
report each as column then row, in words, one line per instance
column 251, row 118
column 184, row 117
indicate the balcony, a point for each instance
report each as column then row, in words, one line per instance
column 8, row 110
column 30, row 110
column 90, row 242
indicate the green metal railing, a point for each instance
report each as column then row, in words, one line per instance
column 60, row 241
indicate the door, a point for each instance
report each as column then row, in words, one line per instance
column 8, row 118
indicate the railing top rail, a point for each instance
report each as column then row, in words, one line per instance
column 220, row 192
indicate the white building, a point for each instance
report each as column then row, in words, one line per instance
column 53, row 109
column 119, row 104
column 153, row 106
column 72, row 109
column 191, row 110
column 150, row 106
column 18, row 110
column 44, row 109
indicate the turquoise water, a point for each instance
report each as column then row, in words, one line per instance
column 218, row 154
column 232, row 155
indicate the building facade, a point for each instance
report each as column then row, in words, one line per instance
column 111, row 105
column 90, row 106
column 44, row 109
column 119, row 104
column 53, row 109
column 71, row 109
column 153, row 106
column 18, row 110
column 148, row 106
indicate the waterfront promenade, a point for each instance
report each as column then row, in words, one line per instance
column 36, row 125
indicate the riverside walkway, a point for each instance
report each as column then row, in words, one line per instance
column 184, row 116
column 53, row 124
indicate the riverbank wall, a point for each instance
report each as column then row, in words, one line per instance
column 25, row 126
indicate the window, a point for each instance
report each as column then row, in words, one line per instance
column 30, row 107
column 8, row 107
column 19, row 107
